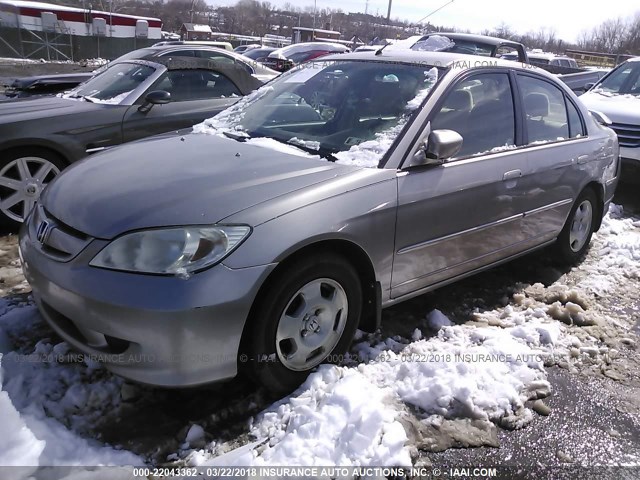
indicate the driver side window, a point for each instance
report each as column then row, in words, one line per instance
column 185, row 85
column 480, row 108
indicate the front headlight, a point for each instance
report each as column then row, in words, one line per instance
column 171, row 251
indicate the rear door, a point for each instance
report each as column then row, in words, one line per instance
column 466, row 213
column 195, row 96
column 558, row 154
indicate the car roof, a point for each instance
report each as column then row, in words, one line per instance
column 473, row 37
column 245, row 81
column 259, row 69
column 449, row 60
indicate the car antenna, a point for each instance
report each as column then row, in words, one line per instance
column 379, row 51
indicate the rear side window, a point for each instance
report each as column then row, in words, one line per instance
column 576, row 128
column 545, row 110
column 220, row 58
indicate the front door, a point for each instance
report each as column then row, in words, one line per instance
column 466, row 213
column 195, row 96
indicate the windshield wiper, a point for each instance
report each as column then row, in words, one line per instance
column 239, row 135
column 323, row 152
column 83, row 97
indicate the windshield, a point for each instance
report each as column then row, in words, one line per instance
column 623, row 80
column 345, row 111
column 114, row 84
column 442, row 43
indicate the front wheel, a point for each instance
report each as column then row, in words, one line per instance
column 573, row 241
column 307, row 315
column 23, row 175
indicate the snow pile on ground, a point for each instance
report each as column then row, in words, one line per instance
column 45, row 402
column 618, row 253
column 350, row 416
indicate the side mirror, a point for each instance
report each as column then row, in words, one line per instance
column 157, row 97
column 588, row 86
column 439, row 146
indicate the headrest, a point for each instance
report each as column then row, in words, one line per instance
column 459, row 100
column 536, row 105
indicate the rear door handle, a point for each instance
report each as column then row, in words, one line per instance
column 512, row 174
column 583, row 159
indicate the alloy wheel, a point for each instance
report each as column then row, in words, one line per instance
column 21, row 182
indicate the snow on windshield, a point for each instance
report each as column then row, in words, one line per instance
column 231, row 118
column 355, row 149
column 369, row 153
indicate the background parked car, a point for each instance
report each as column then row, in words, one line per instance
column 268, row 235
column 245, row 48
column 132, row 99
column 617, row 95
column 259, row 54
column 208, row 43
column 49, row 84
column 285, row 58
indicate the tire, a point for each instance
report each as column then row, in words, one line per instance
column 23, row 175
column 288, row 335
column 573, row 242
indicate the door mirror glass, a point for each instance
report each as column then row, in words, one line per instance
column 440, row 146
column 588, row 86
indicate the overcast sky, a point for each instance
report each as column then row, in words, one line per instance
column 567, row 17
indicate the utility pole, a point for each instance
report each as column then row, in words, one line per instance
column 315, row 5
column 389, row 12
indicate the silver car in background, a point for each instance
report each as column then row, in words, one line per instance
column 262, row 239
column 617, row 95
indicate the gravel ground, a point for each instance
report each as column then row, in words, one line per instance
column 592, row 416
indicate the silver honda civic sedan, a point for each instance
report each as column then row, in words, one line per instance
column 260, row 240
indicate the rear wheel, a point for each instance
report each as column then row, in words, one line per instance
column 23, row 175
column 573, row 241
column 307, row 315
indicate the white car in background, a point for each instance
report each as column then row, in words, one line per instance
column 617, row 95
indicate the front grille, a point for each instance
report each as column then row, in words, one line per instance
column 55, row 238
column 628, row 135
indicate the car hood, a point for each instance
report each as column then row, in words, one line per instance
column 32, row 108
column 619, row 108
column 58, row 79
column 175, row 179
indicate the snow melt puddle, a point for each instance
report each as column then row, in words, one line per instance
column 44, row 403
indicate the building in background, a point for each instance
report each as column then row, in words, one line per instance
column 47, row 17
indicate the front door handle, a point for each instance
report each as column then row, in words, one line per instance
column 511, row 175
column 583, row 159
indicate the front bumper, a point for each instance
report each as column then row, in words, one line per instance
column 156, row 330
